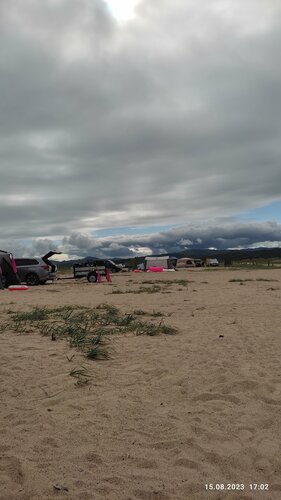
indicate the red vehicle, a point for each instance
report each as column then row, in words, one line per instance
column 8, row 270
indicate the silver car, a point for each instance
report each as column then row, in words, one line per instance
column 36, row 271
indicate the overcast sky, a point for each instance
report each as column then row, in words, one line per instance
column 134, row 127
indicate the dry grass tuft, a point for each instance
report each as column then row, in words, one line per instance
column 85, row 328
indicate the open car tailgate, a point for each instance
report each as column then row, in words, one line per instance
column 46, row 258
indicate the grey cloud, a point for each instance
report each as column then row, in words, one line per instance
column 172, row 118
column 220, row 234
column 217, row 234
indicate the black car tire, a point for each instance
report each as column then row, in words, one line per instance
column 43, row 282
column 92, row 277
column 32, row 279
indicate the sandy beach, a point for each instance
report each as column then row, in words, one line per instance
column 165, row 415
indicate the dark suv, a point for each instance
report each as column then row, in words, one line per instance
column 36, row 271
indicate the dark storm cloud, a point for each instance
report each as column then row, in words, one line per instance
column 220, row 235
column 171, row 118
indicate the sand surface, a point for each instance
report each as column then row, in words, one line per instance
column 165, row 415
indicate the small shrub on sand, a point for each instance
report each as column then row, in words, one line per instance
column 37, row 314
column 264, row 279
column 238, row 280
column 4, row 327
column 156, row 314
column 77, row 339
column 168, row 330
column 81, row 374
column 87, row 328
column 149, row 289
column 139, row 312
column 126, row 320
column 147, row 328
column 97, row 352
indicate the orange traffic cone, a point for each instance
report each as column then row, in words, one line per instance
column 107, row 275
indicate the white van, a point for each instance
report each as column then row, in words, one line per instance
column 212, row 262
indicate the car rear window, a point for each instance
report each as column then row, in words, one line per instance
column 26, row 262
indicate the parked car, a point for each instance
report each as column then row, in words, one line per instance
column 185, row 262
column 198, row 263
column 88, row 269
column 36, row 271
column 212, row 262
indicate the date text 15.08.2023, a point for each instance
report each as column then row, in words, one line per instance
column 237, row 486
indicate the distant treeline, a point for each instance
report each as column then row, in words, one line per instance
column 221, row 255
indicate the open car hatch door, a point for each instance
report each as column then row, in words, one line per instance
column 46, row 258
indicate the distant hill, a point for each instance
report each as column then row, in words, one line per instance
column 199, row 253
